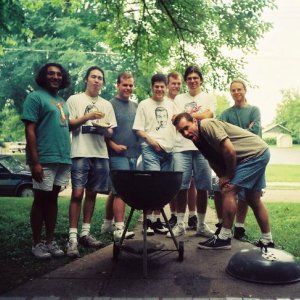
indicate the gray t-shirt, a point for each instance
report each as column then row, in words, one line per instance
column 123, row 134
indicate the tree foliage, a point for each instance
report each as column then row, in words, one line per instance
column 140, row 36
column 288, row 112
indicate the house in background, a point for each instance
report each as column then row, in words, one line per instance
column 281, row 134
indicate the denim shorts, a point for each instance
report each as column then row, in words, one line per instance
column 156, row 161
column 91, row 173
column 193, row 163
column 250, row 174
column 54, row 174
column 121, row 163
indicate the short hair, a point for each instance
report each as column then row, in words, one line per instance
column 90, row 69
column 192, row 69
column 124, row 75
column 181, row 116
column 239, row 81
column 173, row 75
column 158, row 77
column 41, row 76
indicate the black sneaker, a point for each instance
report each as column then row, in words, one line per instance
column 214, row 243
column 158, row 227
column 239, row 233
column 261, row 244
column 149, row 226
column 173, row 221
column 219, row 227
column 192, row 222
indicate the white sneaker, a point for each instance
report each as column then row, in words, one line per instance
column 119, row 232
column 204, row 230
column 72, row 249
column 178, row 230
column 40, row 251
column 107, row 227
column 54, row 249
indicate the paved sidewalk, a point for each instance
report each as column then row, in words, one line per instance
column 200, row 275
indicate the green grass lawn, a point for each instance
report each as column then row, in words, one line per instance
column 284, row 219
column 283, row 173
column 17, row 264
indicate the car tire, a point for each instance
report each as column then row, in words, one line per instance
column 25, row 191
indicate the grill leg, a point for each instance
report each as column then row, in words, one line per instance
column 145, row 258
column 126, row 226
column 169, row 227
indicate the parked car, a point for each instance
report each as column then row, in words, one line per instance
column 15, row 178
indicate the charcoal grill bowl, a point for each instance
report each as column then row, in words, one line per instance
column 146, row 190
column 257, row 265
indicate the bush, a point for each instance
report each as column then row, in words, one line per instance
column 270, row 141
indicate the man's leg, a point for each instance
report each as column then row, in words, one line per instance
column 223, row 240
column 192, row 199
column 241, row 213
column 107, row 225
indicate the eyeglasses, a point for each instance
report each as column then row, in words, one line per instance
column 192, row 78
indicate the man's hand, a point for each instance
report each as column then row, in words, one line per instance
column 224, row 181
column 37, row 172
column 95, row 115
column 119, row 148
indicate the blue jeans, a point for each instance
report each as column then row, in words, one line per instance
column 91, row 173
column 157, row 161
column 193, row 163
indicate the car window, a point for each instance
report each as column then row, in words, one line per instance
column 12, row 164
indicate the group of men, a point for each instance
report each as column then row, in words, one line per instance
column 132, row 130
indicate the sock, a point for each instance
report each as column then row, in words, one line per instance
column 225, row 233
column 149, row 217
column 220, row 221
column 156, row 217
column 107, row 222
column 119, row 225
column 200, row 218
column 240, row 225
column 85, row 230
column 266, row 237
column 192, row 213
column 73, row 234
column 180, row 217
column 173, row 213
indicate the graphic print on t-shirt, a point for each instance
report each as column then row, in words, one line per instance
column 161, row 115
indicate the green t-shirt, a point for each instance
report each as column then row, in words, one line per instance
column 51, row 115
column 242, row 117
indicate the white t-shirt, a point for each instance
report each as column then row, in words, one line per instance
column 89, row 144
column 155, row 118
column 190, row 104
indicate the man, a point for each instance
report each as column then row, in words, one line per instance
column 174, row 83
column 239, row 158
column 246, row 116
column 123, row 149
column 90, row 164
column 157, row 138
column 188, row 159
column 45, row 115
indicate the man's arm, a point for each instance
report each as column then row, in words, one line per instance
column 114, row 146
column 229, row 156
column 94, row 115
column 203, row 115
column 142, row 134
column 35, row 166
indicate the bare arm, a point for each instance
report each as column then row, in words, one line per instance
column 116, row 147
column 142, row 134
column 35, row 166
column 229, row 156
column 203, row 115
column 94, row 115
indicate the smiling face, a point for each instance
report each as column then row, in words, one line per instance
column 53, row 78
column 94, row 83
column 174, row 86
column 125, row 88
column 238, row 93
column 193, row 82
column 158, row 90
column 188, row 129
